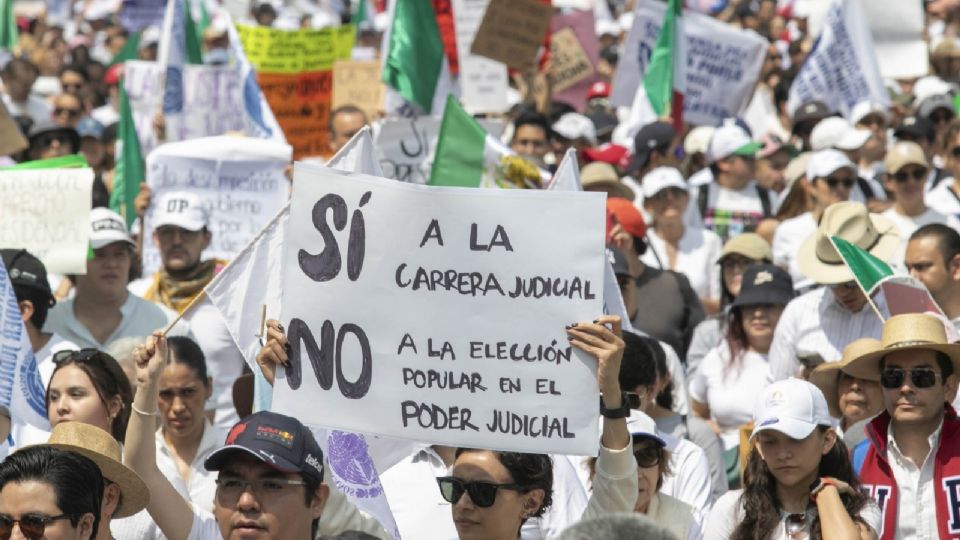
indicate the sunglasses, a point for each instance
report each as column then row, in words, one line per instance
column 648, row 456
column 924, row 377
column 46, row 140
column 72, row 113
column 955, row 151
column 833, row 182
column 483, row 494
column 917, row 174
column 31, row 525
column 83, row 355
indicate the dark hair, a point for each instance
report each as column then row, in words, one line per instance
column 795, row 202
column 345, row 109
column 735, row 337
column 109, row 380
column 40, row 301
column 948, row 240
column 953, row 129
column 19, row 67
column 639, row 364
column 186, row 351
column 532, row 118
column 532, row 471
column 761, row 507
column 76, row 480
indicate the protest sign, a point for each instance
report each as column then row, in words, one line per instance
column 574, row 53
column 485, row 362
column 483, row 81
column 405, row 146
column 723, row 63
column 511, row 32
column 47, row 212
column 897, row 31
column 841, row 70
column 138, row 14
column 240, row 180
column 295, row 72
column 357, row 82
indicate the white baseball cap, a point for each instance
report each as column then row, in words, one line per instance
column 107, row 227
column 180, row 209
column 825, row 162
column 836, row 132
column 793, row 407
column 731, row 139
column 865, row 108
column 575, row 126
column 661, row 178
column 640, row 425
column 698, row 140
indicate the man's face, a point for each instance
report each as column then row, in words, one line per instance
column 71, row 82
column 849, row 296
column 67, row 110
column 926, row 262
column 530, row 140
column 180, row 249
column 741, row 168
column 770, row 170
column 876, row 145
column 859, row 399
column 19, row 87
column 908, row 403
column 108, row 270
column 908, row 184
column 345, row 126
column 275, row 511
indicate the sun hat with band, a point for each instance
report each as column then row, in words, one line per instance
column 826, row 376
column 909, row 332
column 101, row 448
column 750, row 245
column 603, row 176
column 873, row 233
column 793, row 407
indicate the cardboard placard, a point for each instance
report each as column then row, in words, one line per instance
column 511, row 32
column 357, row 82
column 569, row 61
column 483, row 82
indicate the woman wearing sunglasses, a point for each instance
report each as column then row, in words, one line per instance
column 831, row 177
column 492, row 493
column 89, row 386
column 49, row 494
column 799, row 482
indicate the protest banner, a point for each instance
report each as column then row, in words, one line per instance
column 357, row 82
column 295, row 72
column 511, row 32
column 138, row 14
column 483, row 81
column 465, row 371
column 405, row 146
column 723, row 64
column 47, row 212
column 574, row 54
column 240, row 180
column 842, row 69
column 897, row 31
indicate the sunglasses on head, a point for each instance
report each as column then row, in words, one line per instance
column 923, row 377
column 83, row 355
column 917, row 174
column 483, row 494
column 31, row 525
column 834, row 181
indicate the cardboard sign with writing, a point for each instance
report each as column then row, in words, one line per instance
column 575, row 53
column 472, row 350
column 569, row 62
column 511, row 32
column 483, row 82
column 357, row 82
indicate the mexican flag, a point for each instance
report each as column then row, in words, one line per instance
column 9, row 35
column 665, row 81
column 415, row 65
column 128, row 172
column 468, row 156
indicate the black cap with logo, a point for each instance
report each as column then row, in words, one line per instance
column 25, row 270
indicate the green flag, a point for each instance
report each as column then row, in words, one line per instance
column 129, row 170
column 130, row 50
column 415, row 54
column 8, row 26
column 75, row 161
column 192, row 45
column 204, row 20
column 867, row 269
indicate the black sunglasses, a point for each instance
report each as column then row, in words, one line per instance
column 83, row 355
column 483, row 494
column 833, row 181
column 648, row 456
column 917, row 174
column 31, row 525
column 923, row 377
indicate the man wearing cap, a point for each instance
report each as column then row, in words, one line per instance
column 573, row 130
column 919, row 130
column 805, row 118
column 181, row 234
column 825, row 320
column 733, row 203
column 911, row 465
column 839, row 134
column 933, row 257
column 939, row 110
column 945, row 197
column 102, row 310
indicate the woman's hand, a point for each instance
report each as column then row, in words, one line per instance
column 606, row 344
column 151, row 358
column 273, row 352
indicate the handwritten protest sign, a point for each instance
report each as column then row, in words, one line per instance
column 295, row 72
column 357, row 82
column 483, row 81
column 723, row 63
column 405, row 146
column 511, row 32
column 842, row 69
column 483, row 360
column 574, row 56
column 897, row 29
column 47, row 212
column 240, row 180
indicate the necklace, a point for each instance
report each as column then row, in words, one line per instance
column 795, row 525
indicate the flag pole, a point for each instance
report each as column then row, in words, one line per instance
column 859, row 285
column 196, row 299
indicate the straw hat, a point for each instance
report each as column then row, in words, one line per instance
column 827, row 376
column 101, row 448
column 819, row 260
column 909, row 332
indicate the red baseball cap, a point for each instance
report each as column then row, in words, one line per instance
column 607, row 153
column 627, row 216
column 112, row 76
column 599, row 89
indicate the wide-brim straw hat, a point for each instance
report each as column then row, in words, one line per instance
column 851, row 221
column 827, row 376
column 909, row 332
column 101, row 448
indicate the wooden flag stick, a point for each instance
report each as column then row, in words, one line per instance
column 184, row 312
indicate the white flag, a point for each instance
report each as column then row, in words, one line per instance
column 21, row 390
column 258, row 115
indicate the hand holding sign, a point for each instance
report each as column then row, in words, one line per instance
column 274, row 351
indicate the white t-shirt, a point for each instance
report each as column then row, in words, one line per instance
column 943, row 199
column 786, row 244
column 204, row 526
column 908, row 225
column 727, row 512
column 729, row 390
column 697, row 254
column 732, row 212
column 35, row 107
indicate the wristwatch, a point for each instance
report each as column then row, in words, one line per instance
column 622, row 411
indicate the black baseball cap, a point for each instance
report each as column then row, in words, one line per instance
column 650, row 136
column 279, row 441
column 808, row 114
column 25, row 270
column 765, row 284
column 915, row 127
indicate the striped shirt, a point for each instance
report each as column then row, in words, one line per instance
column 815, row 323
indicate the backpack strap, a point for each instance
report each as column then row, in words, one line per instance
column 703, row 198
column 865, row 188
column 764, row 195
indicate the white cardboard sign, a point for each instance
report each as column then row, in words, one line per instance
column 438, row 314
column 483, row 81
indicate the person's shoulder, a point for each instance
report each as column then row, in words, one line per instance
column 727, row 502
column 59, row 313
